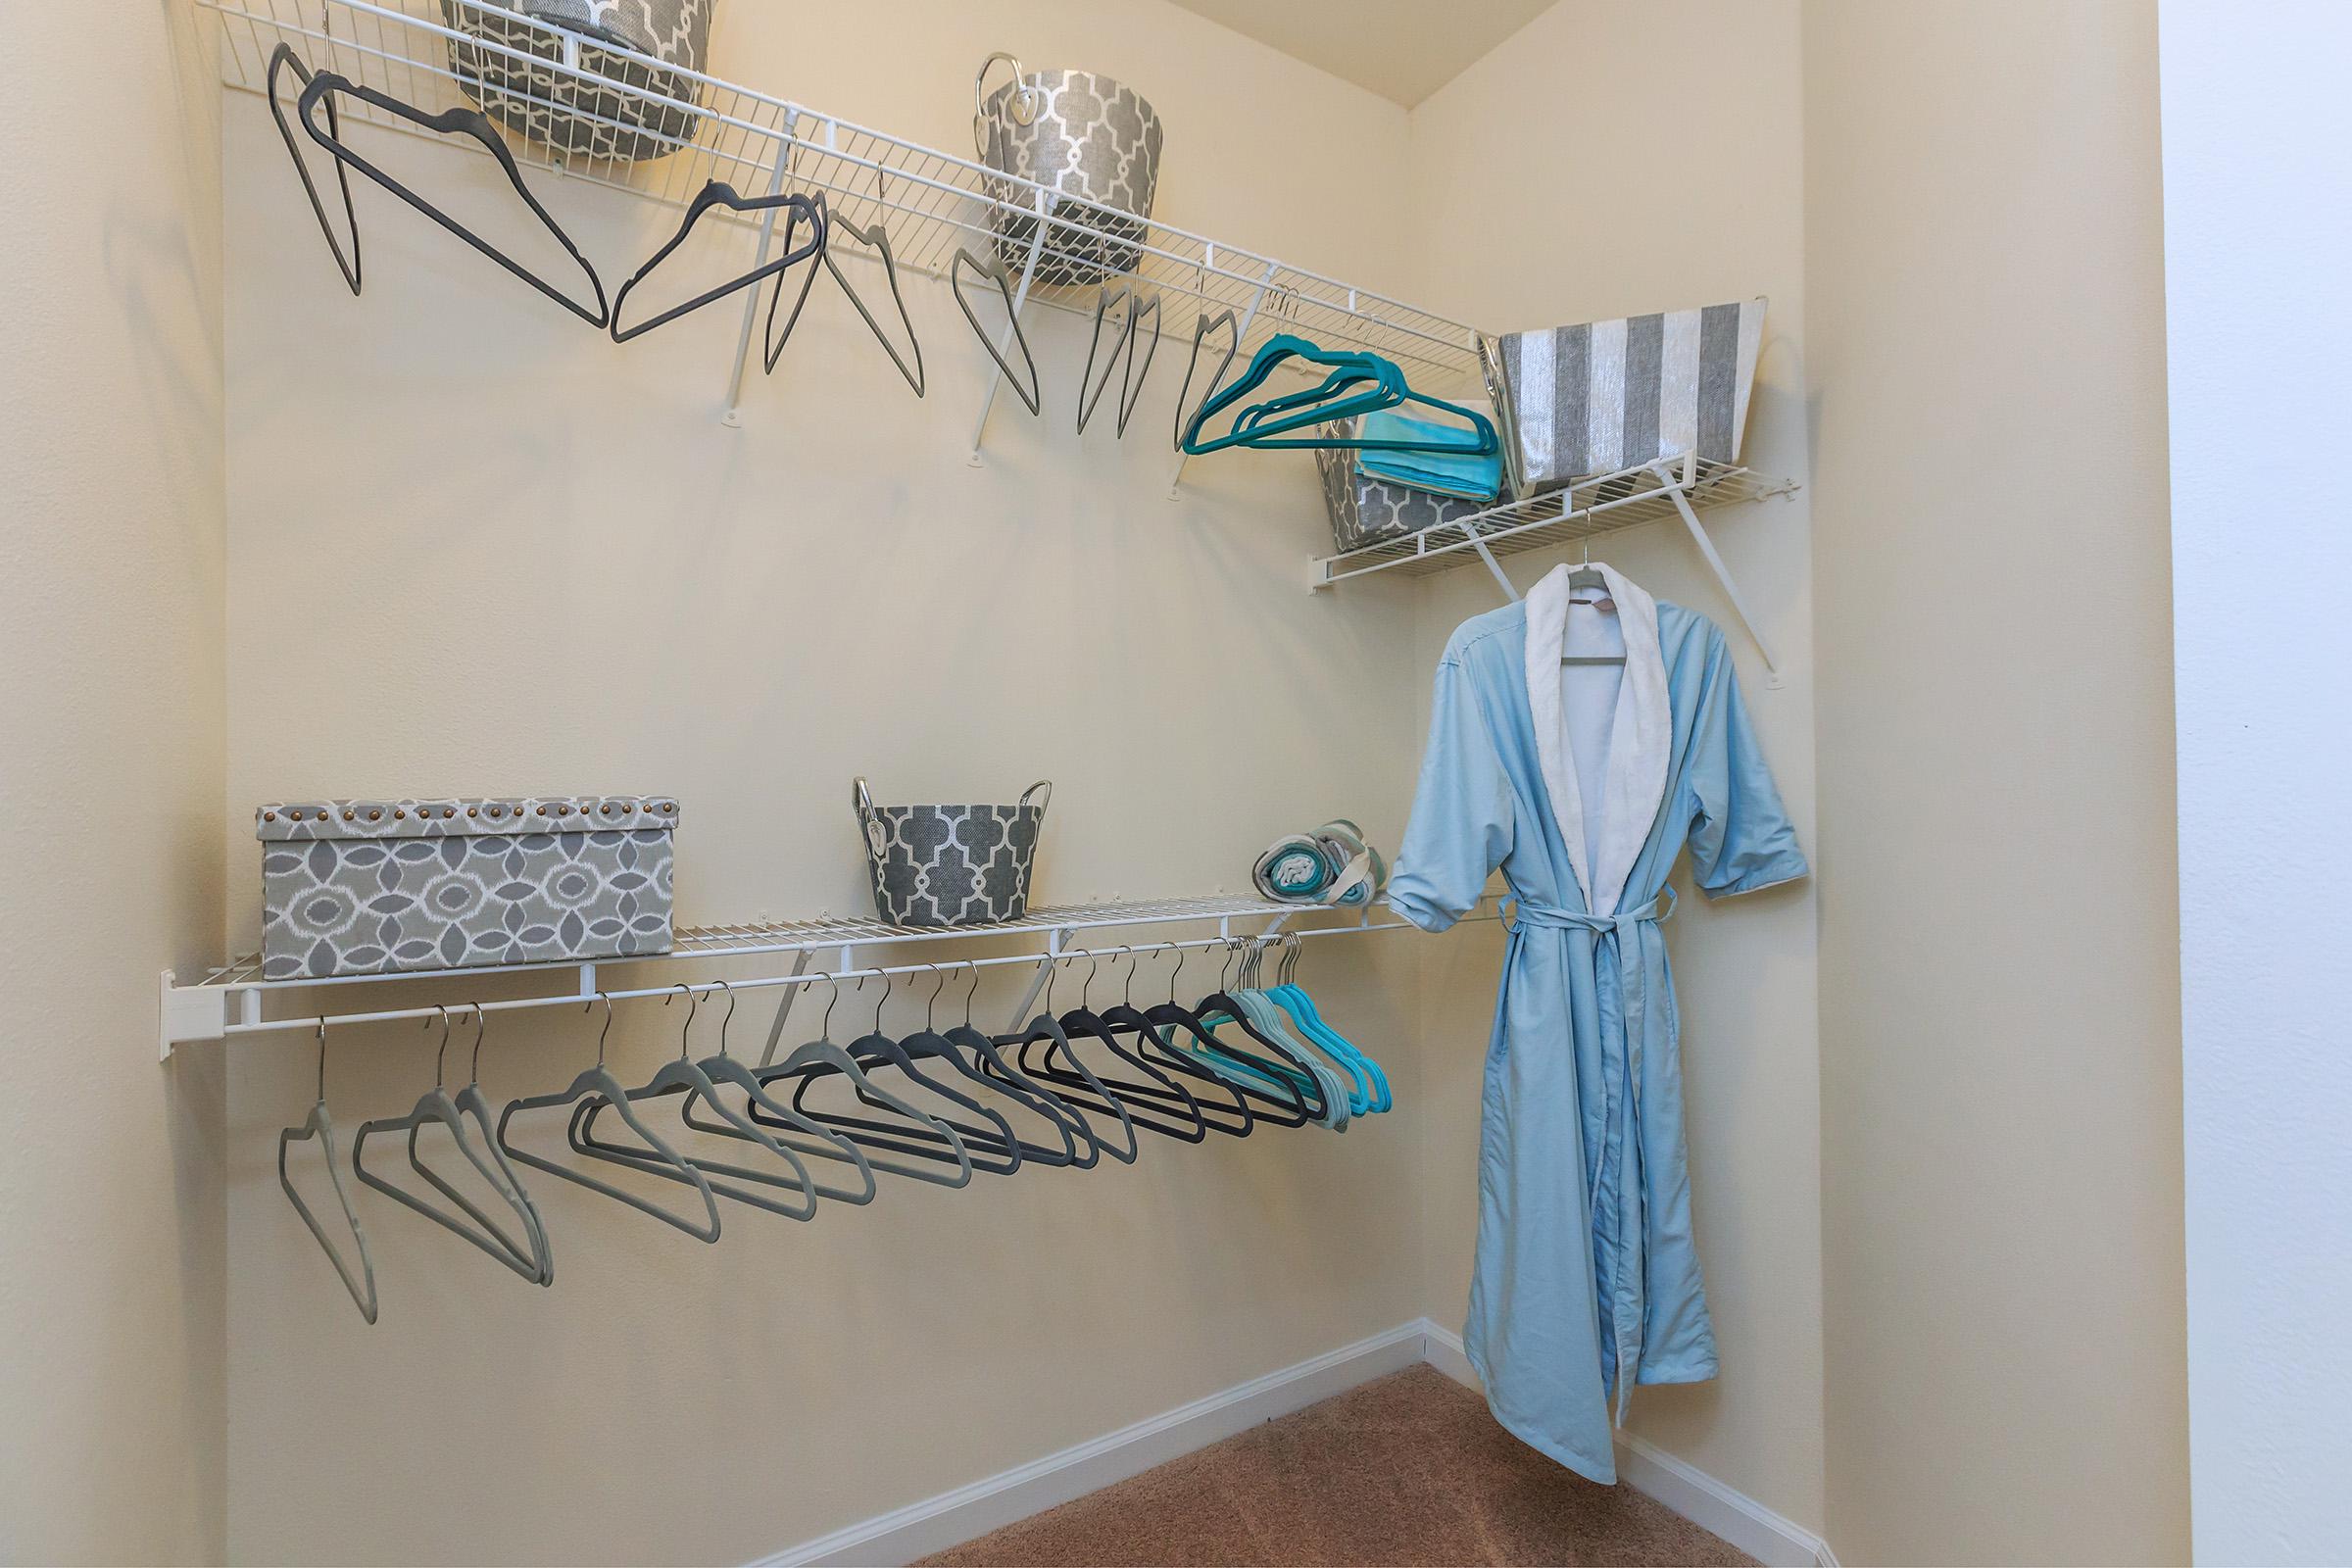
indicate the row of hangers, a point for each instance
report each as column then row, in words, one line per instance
column 1356, row 383
column 935, row 1105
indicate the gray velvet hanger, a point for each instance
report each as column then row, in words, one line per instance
column 681, row 1075
column 799, row 1132
column 318, row 1125
column 529, row 1257
column 475, row 1106
column 1586, row 576
column 599, row 1086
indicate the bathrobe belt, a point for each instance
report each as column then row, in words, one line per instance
column 1628, row 1309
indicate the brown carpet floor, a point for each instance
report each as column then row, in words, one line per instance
column 1408, row 1469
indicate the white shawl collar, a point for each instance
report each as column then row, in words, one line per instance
column 1640, row 736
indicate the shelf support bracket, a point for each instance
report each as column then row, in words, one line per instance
column 1675, row 491
column 189, row 1013
column 777, row 175
column 775, row 1030
column 1478, row 542
column 1241, row 335
column 1020, row 297
column 1037, row 981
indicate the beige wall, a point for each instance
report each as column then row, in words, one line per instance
column 111, row 1217
column 1645, row 184
column 476, row 547
column 2000, row 1036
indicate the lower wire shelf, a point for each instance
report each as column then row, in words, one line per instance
column 227, row 1003
column 1669, row 487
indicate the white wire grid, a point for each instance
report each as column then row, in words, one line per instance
column 204, row 1011
column 931, row 202
column 817, row 935
column 1586, row 508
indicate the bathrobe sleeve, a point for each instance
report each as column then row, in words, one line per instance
column 1461, row 826
column 1740, row 838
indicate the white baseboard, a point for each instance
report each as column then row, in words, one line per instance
column 955, row 1517
column 1697, row 1497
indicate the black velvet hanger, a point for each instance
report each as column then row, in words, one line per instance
column 1045, row 1030
column 719, row 193
column 1122, row 354
column 282, row 58
column 462, row 121
column 1200, row 330
column 998, row 273
column 876, row 238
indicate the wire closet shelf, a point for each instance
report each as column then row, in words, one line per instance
column 931, row 202
column 228, row 1002
column 1584, row 510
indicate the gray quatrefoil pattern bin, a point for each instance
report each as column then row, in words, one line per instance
column 952, row 866
column 383, row 886
column 1368, row 512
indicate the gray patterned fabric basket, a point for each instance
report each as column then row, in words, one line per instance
column 557, row 109
column 1083, row 135
column 384, row 887
column 1369, row 511
column 952, row 866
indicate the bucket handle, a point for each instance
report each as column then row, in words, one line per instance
column 1045, row 784
column 863, row 801
column 1022, row 105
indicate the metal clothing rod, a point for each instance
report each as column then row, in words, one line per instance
column 800, row 977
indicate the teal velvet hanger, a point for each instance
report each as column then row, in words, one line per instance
column 1382, row 383
column 1370, row 383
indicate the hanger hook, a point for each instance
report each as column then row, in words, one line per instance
column 693, row 1002
column 1127, row 994
column 481, row 1027
column 824, row 1025
column 931, row 1003
column 442, row 1050
column 322, row 1062
column 607, row 1029
column 1086, row 990
column 727, row 1018
column 879, row 1002
column 1178, row 949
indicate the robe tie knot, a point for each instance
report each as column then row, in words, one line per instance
column 1545, row 917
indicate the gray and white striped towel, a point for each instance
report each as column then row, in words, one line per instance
column 1608, row 395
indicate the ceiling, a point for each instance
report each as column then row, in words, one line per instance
column 1404, row 50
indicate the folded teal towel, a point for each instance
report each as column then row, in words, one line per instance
column 1448, row 474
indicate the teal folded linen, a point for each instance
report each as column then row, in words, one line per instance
column 1477, row 476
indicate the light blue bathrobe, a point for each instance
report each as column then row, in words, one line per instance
column 1586, row 1279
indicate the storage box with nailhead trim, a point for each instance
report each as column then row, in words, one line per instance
column 386, row 887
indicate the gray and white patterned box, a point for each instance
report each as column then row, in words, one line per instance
column 386, row 887
column 1366, row 510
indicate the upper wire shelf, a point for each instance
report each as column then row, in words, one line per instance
column 228, row 1002
column 931, row 202
column 812, row 936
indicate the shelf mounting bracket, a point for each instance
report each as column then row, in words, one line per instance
column 778, row 173
column 1675, row 491
column 1020, row 297
column 1241, row 335
column 1037, row 981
